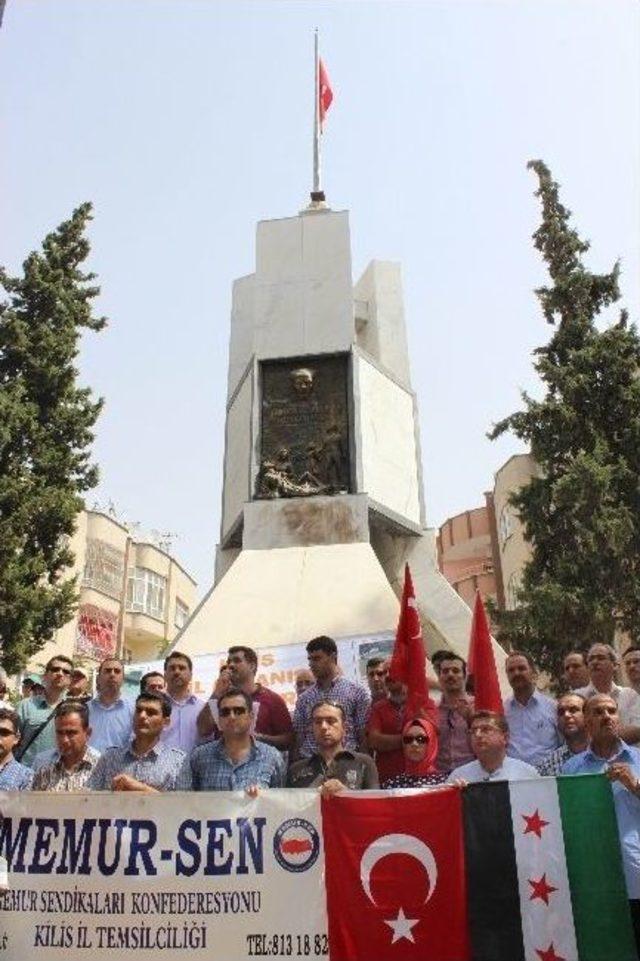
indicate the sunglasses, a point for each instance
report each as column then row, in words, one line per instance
column 59, row 670
column 6, row 731
column 415, row 739
column 228, row 711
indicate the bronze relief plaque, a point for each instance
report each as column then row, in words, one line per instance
column 304, row 432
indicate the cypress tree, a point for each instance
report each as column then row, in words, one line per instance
column 582, row 514
column 46, row 422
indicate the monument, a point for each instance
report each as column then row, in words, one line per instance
column 322, row 499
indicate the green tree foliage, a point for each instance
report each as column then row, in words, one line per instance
column 46, row 423
column 582, row 514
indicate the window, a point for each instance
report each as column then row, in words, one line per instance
column 182, row 614
column 513, row 589
column 506, row 524
column 146, row 592
column 104, row 568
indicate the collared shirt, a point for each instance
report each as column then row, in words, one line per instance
column 387, row 717
column 533, row 728
column 32, row 712
column 627, row 806
column 161, row 767
column 356, row 771
column 626, row 698
column 56, row 777
column 212, row 770
column 355, row 702
column 511, row 769
column 454, row 742
column 182, row 731
column 111, row 724
column 15, row 776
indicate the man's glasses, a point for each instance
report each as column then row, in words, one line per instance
column 57, row 669
column 415, row 739
column 6, row 731
column 228, row 711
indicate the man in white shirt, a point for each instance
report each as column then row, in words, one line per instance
column 489, row 739
column 602, row 661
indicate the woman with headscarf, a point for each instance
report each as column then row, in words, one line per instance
column 420, row 747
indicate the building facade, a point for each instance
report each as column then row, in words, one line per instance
column 134, row 596
column 485, row 548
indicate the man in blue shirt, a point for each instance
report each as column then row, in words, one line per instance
column 236, row 761
column 609, row 754
column 533, row 729
column 110, row 714
column 13, row 775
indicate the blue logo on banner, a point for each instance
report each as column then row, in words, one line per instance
column 296, row 845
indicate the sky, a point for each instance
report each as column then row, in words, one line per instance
column 185, row 122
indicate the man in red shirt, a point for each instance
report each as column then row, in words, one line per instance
column 384, row 730
column 271, row 715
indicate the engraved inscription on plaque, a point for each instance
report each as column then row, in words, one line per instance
column 304, row 436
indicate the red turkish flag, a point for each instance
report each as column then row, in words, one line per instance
column 325, row 93
column 409, row 659
column 395, row 877
column 482, row 664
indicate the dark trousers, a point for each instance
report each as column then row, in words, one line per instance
column 634, row 907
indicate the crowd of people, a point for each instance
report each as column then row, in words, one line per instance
column 341, row 736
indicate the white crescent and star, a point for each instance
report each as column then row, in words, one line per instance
column 398, row 844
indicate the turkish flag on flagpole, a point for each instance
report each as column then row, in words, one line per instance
column 481, row 662
column 325, row 93
column 409, row 659
column 395, row 877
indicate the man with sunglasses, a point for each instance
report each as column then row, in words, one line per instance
column 13, row 775
column 236, row 761
column 35, row 715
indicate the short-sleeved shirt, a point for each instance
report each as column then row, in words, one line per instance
column 454, row 741
column 161, row 768
column 356, row 771
column 182, row 731
column 32, row 712
column 627, row 806
column 511, row 769
column 211, row 769
column 15, row 776
column 354, row 700
column 111, row 724
column 387, row 717
column 273, row 714
column 56, row 777
column 533, row 728
column 626, row 698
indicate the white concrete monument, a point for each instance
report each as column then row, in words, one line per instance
column 323, row 497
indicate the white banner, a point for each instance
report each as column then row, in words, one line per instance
column 198, row 876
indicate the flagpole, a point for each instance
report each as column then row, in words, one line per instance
column 317, row 194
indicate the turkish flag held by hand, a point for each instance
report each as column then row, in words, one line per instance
column 481, row 663
column 395, row 877
column 409, row 659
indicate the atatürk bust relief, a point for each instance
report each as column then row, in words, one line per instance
column 304, row 441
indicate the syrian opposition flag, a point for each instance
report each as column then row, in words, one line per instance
column 544, row 871
column 501, row 871
column 394, row 870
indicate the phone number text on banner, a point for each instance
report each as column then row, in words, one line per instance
column 210, row 876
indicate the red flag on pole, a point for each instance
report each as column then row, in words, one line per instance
column 409, row 660
column 482, row 664
column 325, row 93
column 395, row 877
